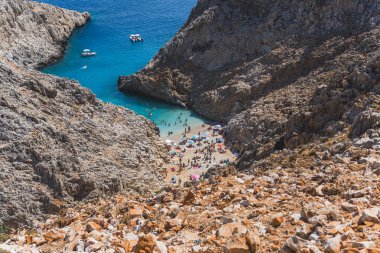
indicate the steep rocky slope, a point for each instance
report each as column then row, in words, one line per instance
column 58, row 143
column 321, row 194
column 298, row 201
column 280, row 73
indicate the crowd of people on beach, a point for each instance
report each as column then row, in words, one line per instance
column 192, row 156
column 196, row 152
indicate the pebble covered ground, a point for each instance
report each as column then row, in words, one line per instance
column 306, row 200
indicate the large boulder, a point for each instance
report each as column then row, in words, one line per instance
column 364, row 121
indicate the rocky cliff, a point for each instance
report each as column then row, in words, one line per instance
column 35, row 34
column 58, row 143
column 313, row 139
column 279, row 73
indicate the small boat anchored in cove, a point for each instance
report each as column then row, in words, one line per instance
column 136, row 38
column 87, row 53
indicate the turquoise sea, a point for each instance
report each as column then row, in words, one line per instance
column 108, row 34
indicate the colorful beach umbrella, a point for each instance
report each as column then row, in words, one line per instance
column 195, row 177
column 195, row 137
column 172, row 152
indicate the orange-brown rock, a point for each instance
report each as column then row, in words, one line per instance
column 29, row 239
column 189, row 198
column 277, row 221
column 174, row 224
column 135, row 212
column 92, row 225
column 236, row 245
column 253, row 241
column 38, row 240
column 231, row 229
column 146, row 244
column 53, row 236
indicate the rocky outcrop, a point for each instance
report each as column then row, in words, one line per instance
column 279, row 73
column 35, row 34
column 364, row 121
column 58, row 143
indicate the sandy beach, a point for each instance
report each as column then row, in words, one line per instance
column 191, row 157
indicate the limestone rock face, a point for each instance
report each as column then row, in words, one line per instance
column 35, row 34
column 58, row 143
column 279, row 73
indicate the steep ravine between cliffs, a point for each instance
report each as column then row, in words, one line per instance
column 317, row 190
column 279, row 73
column 58, row 142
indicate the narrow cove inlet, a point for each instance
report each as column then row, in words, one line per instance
column 107, row 34
column 289, row 163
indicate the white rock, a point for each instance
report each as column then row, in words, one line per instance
column 314, row 236
column 160, row 247
column 228, row 230
column 164, row 211
column 131, row 237
column 295, row 217
column 240, row 180
column 333, row 245
column 173, row 206
column 294, row 243
column 356, row 201
column 349, row 207
column 80, row 246
column 371, row 215
column 196, row 248
column 16, row 249
column 111, row 228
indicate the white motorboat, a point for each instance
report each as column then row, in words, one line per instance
column 87, row 52
column 136, row 38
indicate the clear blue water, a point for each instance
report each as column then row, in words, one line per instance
column 108, row 34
